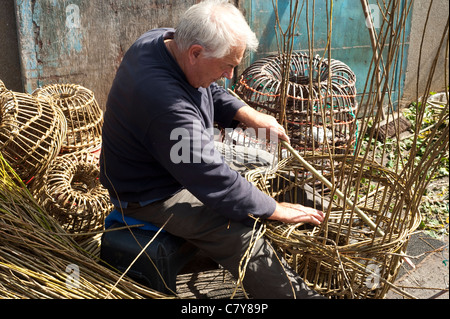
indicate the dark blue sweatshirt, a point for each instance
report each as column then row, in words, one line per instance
column 157, row 135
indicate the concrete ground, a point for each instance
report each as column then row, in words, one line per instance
column 428, row 279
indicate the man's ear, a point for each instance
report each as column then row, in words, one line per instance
column 195, row 52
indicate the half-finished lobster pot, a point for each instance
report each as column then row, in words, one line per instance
column 343, row 257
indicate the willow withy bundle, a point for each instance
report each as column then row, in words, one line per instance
column 37, row 256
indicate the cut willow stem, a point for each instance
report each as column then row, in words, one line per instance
column 375, row 46
column 317, row 174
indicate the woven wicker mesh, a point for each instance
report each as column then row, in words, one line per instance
column 315, row 114
column 71, row 192
column 83, row 114
column 2, row 87
column 342, row 258
column 31, row 132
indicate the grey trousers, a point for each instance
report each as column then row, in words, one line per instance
column 226, row 242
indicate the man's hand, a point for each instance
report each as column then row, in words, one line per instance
column 254, row 119
column 284, row 212
column 296, row 213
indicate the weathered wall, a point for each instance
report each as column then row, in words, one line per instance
column 431, row 38
column 10, row 73
column 83, row 42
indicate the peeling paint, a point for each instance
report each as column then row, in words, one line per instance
column 73, row 16
column 74, row 35
column 74, row 39
column 29, row 31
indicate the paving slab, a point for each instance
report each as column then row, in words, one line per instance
column 428, row 278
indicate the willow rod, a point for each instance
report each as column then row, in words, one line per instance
column 316, row 173
column 375, row 47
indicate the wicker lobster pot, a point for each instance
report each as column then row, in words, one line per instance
column 71, row 192
column 82, row 112
column 343, row 257
column 323, row 111
column 2, row 87
column 31, row 132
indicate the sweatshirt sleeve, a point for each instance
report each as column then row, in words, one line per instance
column 186, row 149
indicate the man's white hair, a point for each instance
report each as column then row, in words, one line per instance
column 216, row 25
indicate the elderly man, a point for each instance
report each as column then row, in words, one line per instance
column 166, row 86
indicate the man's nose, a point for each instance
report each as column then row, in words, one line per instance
column 228, row 74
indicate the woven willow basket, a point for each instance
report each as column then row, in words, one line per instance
column 343, row 257
column 83, row 114
column 31, row 132
column 2, row 87
column 72, row 193
column 320, row 114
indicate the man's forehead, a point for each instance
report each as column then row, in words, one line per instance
column 235, row 56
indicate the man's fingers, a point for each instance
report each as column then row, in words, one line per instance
column 305, row 214
column 282, row 133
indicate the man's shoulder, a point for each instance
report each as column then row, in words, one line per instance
column 154, row 34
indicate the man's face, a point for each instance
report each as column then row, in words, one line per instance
column 208, row 70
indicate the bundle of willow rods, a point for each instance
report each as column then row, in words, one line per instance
column 37, row 255
column 2, row 86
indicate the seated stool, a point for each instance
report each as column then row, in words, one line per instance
column 169, row 253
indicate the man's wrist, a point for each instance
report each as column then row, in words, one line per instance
column 244, row 114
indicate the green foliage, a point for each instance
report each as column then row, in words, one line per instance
column 395, row 155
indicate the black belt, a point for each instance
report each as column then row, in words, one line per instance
column 124, row 204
